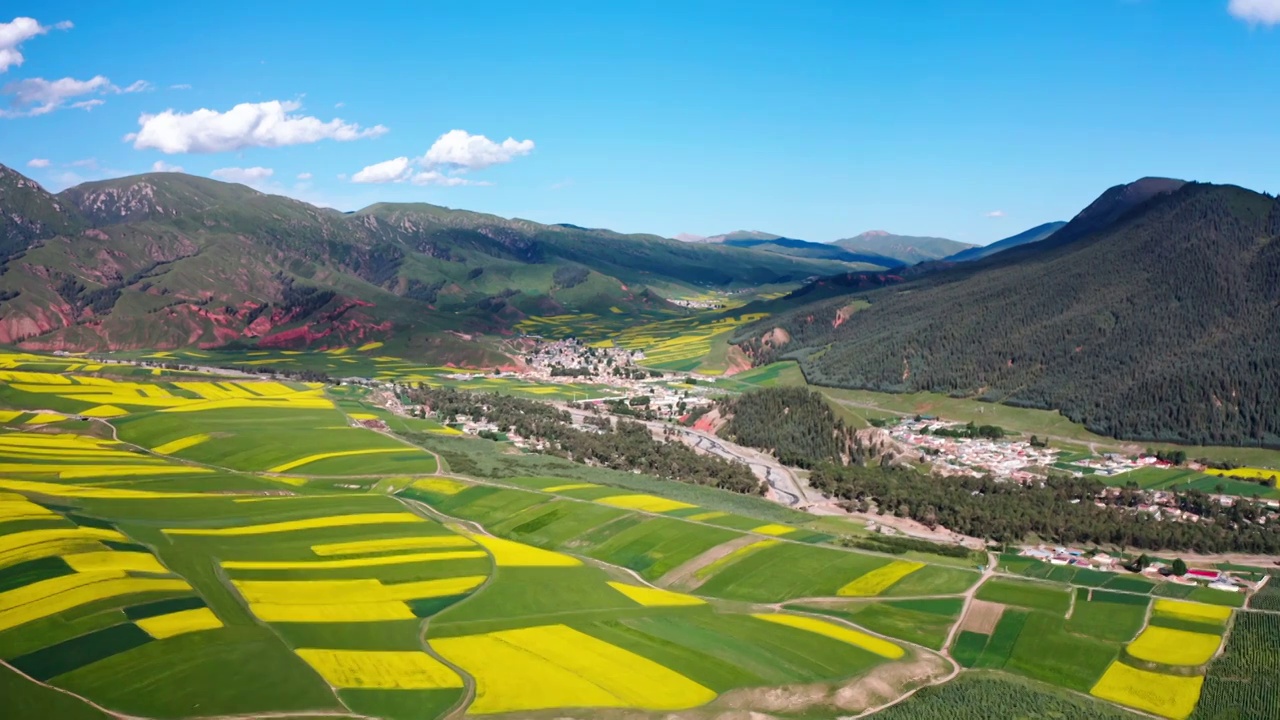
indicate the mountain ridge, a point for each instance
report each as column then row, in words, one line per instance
column 1158, row 318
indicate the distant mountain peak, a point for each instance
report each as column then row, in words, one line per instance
column 690, row 237
column 908, row 249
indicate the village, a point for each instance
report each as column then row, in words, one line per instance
column 1152, row 569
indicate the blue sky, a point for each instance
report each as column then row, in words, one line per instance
column 818, row 120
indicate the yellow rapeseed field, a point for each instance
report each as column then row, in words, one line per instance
column 174, row 446
column 123, row 561
column 23, row 509
column 880, row 579
column 441, row 486
column 703, row 517
column 1246, row 473
column 507, row 553
column 305, row 524
column 772, row 529
column 555, row 666
column 1196, row 612
column 285, row 467
column 1174, row 647
column 421, row 542
column 87, row 491
column 336, row 592
column 34, row 544
column 647, row 503
column 49, row 597
column 870, row 643
column 378, row 561
column 344, row 613
column 570, row 486
column 363, row 416
column 1171, row 696
column 656, row 597
column 382, row 669
column 369, row 346
column 728, row 559
column 179, row 623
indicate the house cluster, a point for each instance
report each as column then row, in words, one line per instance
column 573, row 354
column 1011, row 460
column 1157, row 569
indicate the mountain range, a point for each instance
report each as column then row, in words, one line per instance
column 1153, row 314
column 167, row 259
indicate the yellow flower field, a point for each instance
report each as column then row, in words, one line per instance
column 422, row 542
column 646, row 503
column 656, row 597
column 570, row 486
column 721, row 563
column 703, row 517
column 34, row 544
column 508, row 553
column 383, row 669
column 378, row 561
column 870, row 643
column 87, row 491
column 23, row 509
column 123, row 561
column 335, row 592
column 555, row 666
column 1173, row 647
column 1195, row 612
column 1246, row 473
column 327, row 521
column 442, row 486
column 1170, row 696
column 179, row 623
column 174, row 446
column 880, row 579
column 49, row 597
column 285, row 467
column 344, row 613
column 773, row 529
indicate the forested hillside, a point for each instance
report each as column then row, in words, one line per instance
column 1163, row 324
column 794, row 423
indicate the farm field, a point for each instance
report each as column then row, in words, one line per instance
column 254, row 547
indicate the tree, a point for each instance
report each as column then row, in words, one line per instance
column 1179, row 567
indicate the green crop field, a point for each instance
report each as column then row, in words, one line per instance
column 983, row 695
column 923, row 622
column 210, row 547
column 1241, row 683
column 1107, row 616
column 1041, row 596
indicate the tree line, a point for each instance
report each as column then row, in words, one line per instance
column 622, row 445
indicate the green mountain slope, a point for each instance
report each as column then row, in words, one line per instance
column 907, row 249
column 167, row 259
column 1035, row 234
column 1158, row 317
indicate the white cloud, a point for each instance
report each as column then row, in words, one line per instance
column 91, row 163
column 568, row 182
column 1256, row 12
column 434, row 177
column 460, row 149
column 162, row 166
column 451, row 156
column 996, row 214
column 304, row 176
column 180, row 86
column 253, row 176
column 18, row 31
column 388, row 171
column 38, row 163
column 37, row 96
column 266, row 124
